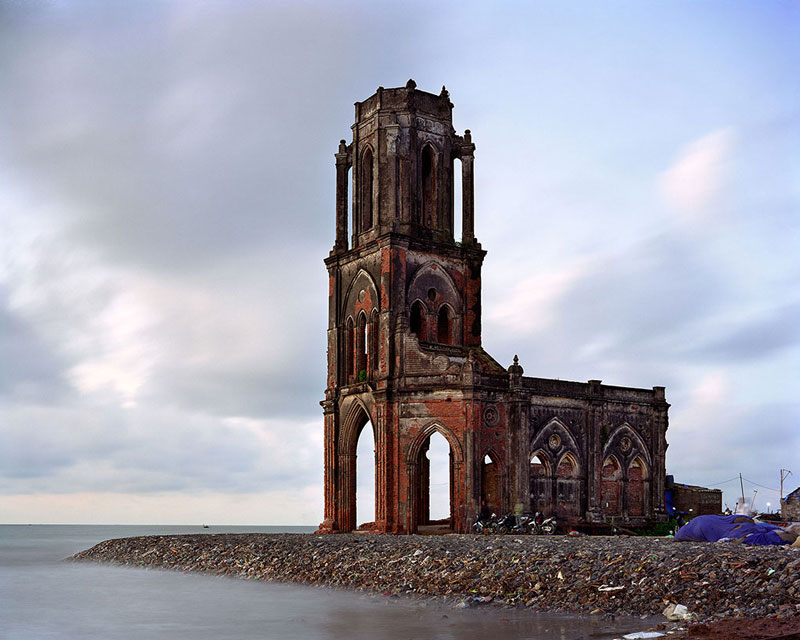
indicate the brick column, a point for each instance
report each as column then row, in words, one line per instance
column 467, row 190
column 342, row 166
column 329, row 523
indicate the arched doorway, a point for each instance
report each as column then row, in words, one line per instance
column 356, row 466
column 435, row 494
column 540, row 484
column 365, row 477
column 490, row 484
column 435, row 469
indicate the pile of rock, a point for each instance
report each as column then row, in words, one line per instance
column 587, row 575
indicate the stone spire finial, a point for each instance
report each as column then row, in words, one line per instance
column 515, row 369
column 411, row 85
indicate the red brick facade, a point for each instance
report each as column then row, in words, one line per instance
column 404, row 353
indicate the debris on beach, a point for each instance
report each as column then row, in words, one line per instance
column 584, row 575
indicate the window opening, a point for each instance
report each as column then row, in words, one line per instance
column 444, row 326
column 428, row 186
column 366, row 192
column 361, row 348
column 373, row 341
column 349, row 338
column 418, row 321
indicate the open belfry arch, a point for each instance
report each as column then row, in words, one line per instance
column 405, row 354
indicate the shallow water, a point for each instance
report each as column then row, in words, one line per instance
column 42, row 597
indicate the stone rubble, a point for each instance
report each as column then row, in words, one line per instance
column 586, row 575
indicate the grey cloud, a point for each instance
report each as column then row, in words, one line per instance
column 196, row 146
column 756, row 340
column 30, row 370
column 150, row 449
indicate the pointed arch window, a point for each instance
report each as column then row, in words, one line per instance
column 361, row 347
column 366, row 191
column 444, row 326
column 428, row 176
column 373, row 341
column 419, row 321
column 349, row 340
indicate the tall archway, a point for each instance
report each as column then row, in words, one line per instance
column 365, row 476
column 435, row 493
column 353, row 440
column 419, row 473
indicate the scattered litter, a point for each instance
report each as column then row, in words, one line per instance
column 677, row 613
column 641, row 635
column 593, row 574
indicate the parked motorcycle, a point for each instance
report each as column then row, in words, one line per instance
column 539, row 525
column 485, row 524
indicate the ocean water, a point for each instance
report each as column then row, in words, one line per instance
column 42, row 598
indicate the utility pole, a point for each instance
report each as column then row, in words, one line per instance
column 785, row 473
column 741, row 483
column 752, row 504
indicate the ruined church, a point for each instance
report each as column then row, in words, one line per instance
column 405, row 354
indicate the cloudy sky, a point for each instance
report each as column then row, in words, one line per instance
column 167, row 198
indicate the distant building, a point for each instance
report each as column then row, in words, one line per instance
column 694, row 500
column 790, row 507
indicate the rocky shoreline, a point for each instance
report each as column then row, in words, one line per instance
column 585, row 575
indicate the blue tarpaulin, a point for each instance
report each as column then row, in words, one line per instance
column 714, row 528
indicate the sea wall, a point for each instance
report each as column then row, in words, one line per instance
column 586, row 575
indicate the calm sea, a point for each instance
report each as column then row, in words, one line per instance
column 42, row 598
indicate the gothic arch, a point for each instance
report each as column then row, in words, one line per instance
column 432, row 274
column 362, row 280
column 544, row 459
column 566, row 441
column 626, row 452
column 569, row 457
column 414, row 449
column 354, row 418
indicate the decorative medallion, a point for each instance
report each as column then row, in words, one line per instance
column 554, row 442
column 491, row 416
column 441, row 362
column 362, row 295
column 625, row 444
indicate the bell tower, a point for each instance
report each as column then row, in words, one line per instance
column 403, row 291
column 402, row 158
